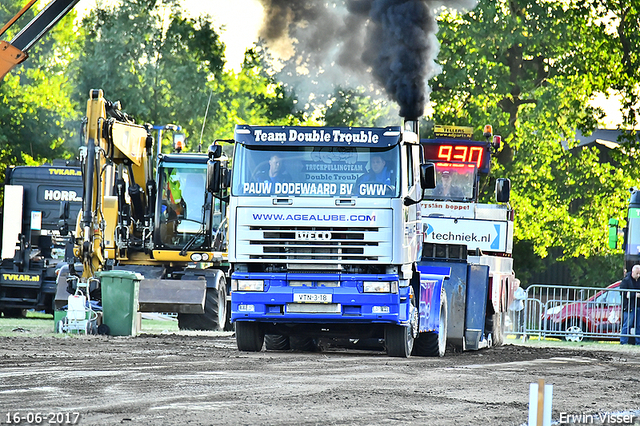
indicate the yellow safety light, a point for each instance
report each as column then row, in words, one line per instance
column 488, row 131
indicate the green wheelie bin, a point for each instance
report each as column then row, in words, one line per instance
column 120, row 301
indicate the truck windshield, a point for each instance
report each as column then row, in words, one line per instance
column 454, row 182
column 633, row 232
column 303, row 171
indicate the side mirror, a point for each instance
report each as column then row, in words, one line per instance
column 64, row 210
column 214, row 176
column 613, row 233
column 428, row 176
column 63, row 223
column 214, row 151
column 503, row 190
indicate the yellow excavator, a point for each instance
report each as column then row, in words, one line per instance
column 160, row 215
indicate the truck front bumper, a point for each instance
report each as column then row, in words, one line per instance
column 319, row 299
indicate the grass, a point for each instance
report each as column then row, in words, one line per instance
column 37, row 324
column 561, row 343
column 40, row 324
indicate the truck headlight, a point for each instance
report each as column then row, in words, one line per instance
column 247, row 285
column 380, row 286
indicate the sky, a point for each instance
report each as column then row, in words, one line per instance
column 241, row 18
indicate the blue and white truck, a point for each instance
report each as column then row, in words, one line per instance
column 467, row 250
column 326, row 240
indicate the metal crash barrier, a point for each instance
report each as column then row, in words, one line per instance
column 575, row 313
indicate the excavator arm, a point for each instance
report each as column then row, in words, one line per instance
column 15, row 52
column 115, row 147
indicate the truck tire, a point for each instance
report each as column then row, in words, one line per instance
column 276, row 342
column 14, row 312
column 303, row 344
column 249, row 336
column 215, row 311
column 434, row 344
column 50, row 304
column 399, row 339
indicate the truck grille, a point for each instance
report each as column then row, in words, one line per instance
column 320, row 244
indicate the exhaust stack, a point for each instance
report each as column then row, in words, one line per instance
column 412, row 126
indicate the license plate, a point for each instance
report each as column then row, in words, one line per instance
column 311, row 298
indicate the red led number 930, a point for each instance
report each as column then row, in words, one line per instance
column 463, row 153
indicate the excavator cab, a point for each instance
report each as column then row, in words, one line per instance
column 187, row 214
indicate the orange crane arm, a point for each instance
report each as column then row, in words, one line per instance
column 14, row 52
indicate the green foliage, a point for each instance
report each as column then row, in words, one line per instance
column 352, row 107
column 528, row 67
column 156, row 62
column 166, row 68
column 252, row 96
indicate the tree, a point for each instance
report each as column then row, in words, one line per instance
column 353, row 107
column 252, row 96
column 151, row 58
column 529, row 68
column 166, row 68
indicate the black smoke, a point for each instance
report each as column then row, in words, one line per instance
column 390, row 43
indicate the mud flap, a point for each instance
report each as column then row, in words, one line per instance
column 477, row 293
column 431, row 282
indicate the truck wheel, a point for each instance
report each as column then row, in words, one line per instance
column 14, row 312
column 303, row 344
column 249, row 336
column 434, row 344
column 399, row 339
column 215, row 312
column 50, row 305
column 276, row 342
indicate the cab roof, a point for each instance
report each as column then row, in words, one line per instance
column 366, row 137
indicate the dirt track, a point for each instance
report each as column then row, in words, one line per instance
column 175, row 379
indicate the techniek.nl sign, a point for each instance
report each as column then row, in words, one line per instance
column 475, row 234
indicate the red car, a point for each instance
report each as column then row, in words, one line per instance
column 599, row 316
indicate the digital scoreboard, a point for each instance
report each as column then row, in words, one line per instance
column 463, row 151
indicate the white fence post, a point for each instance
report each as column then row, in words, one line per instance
column 540, row 402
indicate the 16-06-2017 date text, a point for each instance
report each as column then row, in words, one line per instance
column 40, row 418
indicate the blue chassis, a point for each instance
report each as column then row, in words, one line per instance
column 270, row 305
column 465, row 286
